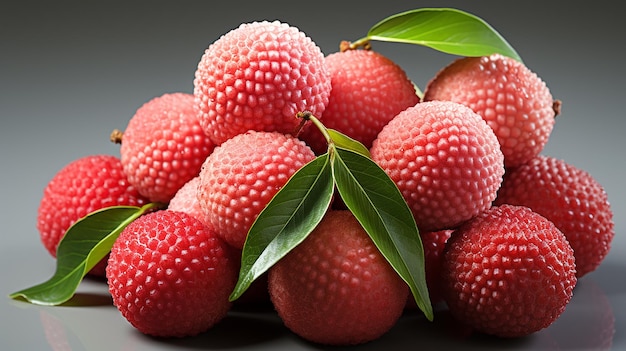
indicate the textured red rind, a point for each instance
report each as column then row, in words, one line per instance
column 508, row 272
column 257, row 77
column 445, row 160
column 335, row 287
column 170, row 275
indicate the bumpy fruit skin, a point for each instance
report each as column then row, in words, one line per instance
column 164, row 146
column 257, row 77
column 186, row 200
column 170, row 275
column 434, row 243
column 445, row 160
column 368, row 90
column 508, row 272
column 569, row 197
column 335, row 287
column 82, row 186
column 515, row 102
column 242, row 175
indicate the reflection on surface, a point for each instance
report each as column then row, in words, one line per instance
column 91, row 322
column 588, row 323
column 55, row 332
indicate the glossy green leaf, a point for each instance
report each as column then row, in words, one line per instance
column 445, row 29
column 378, row 205
column 286, row 221
column 345, row 142
column 84, row 244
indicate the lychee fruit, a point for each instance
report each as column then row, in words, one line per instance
column 170, row 275
column 569, row 197
column 336, row 288
column 82, row 186
column 164, row 146
column 508, row 272
column 516, row 103
column 434, row 243
column 242, row 175
column 186, row 200
column 368, row 90
column 257, row 77
column 445, row 160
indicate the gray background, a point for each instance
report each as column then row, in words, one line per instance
column 72, row 72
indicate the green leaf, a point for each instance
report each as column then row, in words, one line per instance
column 286, row 221
column 345, row 142
column 445, row 29
column 378, row 205
column 84, row 244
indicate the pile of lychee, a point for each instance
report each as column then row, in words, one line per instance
column 506, row 231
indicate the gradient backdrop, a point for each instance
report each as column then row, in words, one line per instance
column 71, row 72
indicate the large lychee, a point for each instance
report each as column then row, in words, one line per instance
column 335, row 287
column 368, row 90
column 257, row 77
column 242, row 175
column 516, row 103
column 445, row 160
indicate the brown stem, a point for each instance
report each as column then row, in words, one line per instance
column 345, row 45
column 556, row 107
column 303, row 120
column 116, row 136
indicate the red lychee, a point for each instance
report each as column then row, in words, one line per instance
column 515, row 102
column 170, row 275
column 186, row 200
column 335, row 287
column 508, row 272
column 368, row 90
column 445, row 160
column 434, row 243
column 569, row 197
column 164, row 146
column 242, row 175
column 257, row 77
column 82, row 186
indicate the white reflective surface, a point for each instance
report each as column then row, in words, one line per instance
column 592, row 321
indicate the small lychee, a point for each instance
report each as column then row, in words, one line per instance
column 368, row 90
column 164, row 146
column 433, row 244
column 186, row 200
column 242, row 175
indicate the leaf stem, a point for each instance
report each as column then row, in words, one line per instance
column 363, row 43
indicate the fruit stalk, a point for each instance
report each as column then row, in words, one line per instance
column 308, row 116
